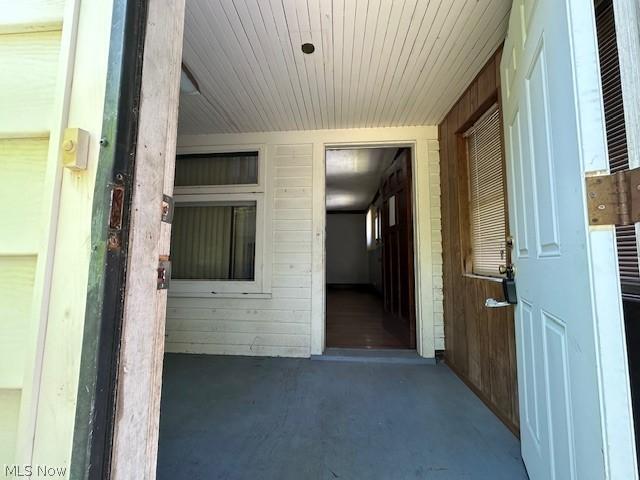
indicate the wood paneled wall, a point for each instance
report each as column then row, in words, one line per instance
column 480, row 342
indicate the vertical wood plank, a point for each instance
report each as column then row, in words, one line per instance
column 142, row 348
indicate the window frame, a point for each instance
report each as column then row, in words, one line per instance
column 465, row 161
column 237, row 188
column 260, row 286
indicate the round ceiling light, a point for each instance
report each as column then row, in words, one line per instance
column 308, row 48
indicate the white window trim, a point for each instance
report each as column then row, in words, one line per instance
column 260, row 287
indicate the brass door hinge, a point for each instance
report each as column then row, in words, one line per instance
column 614, row 199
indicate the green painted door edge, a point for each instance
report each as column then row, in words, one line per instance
column 94, row 420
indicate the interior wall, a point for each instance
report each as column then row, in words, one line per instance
column 346, row 246
column 480, row 342
column 288, row 319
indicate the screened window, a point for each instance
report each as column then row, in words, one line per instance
column 486, row 188
column 217, row 228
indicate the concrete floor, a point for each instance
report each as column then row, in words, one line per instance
column 299, row 419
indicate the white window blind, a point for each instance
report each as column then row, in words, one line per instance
column 487, row 202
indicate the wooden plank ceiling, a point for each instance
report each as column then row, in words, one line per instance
column 376, row 62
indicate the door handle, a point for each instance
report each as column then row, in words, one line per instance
column 493, row 303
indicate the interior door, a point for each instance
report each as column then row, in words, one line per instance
column 397, row 249
column 569, row 328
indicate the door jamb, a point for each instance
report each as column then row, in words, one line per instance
column 95, row 409
column 123, row 343
column 321, row 183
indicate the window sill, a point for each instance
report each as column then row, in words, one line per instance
column 264, row 296
column 483, row 277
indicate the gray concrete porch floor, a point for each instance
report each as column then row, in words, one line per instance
column 275, row 418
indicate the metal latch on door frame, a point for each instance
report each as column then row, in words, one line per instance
column 164, row 272
column 116, row 216
column 614, row 199
column 167, row 208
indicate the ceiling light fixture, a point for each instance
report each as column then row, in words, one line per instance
column 308, row 48
column 188, row 83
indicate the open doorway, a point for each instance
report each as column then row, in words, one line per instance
column 370, row 300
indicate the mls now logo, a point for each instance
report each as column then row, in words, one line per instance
column 39, row 471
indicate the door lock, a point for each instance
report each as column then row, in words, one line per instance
column 508, row 270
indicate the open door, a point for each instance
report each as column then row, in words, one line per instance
column 397, row 249
column 573, row 383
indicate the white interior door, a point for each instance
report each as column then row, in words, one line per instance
column 572, row 371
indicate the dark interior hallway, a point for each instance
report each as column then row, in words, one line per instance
column 248, row 418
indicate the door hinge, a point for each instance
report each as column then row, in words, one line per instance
column 116, row 211
column 614, row 199
column 164, row 273
column 167, row 209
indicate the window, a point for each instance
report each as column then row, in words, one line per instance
column 373, row 227
column 217, row 231
column 214, row 241
column 486, row 188
column 236, row 168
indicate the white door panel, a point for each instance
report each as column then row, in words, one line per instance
column 551, row 127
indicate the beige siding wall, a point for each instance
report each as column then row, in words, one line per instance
column 30, row 40
column 288, row 319
column 54, row 62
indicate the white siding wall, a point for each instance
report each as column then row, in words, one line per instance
column 286, row 320
column 276, row 326
column 436, row 244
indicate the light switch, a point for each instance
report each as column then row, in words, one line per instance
column 75, row 148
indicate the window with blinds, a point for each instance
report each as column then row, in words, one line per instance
column 214, row 241
column 617, row 141
column 486, row 188
column 218, row 224
column 232, row 168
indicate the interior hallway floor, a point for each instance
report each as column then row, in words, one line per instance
column 300, row 419
column 355, row 319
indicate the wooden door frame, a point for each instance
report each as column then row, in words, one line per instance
column 320, row 184
column 118, row 410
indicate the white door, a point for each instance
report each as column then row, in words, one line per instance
column 572, row 371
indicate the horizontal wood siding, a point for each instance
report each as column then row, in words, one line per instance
column 480, row 342
column 291, row 320
column 30, row 35
column 276, row 326
column 436, row 244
